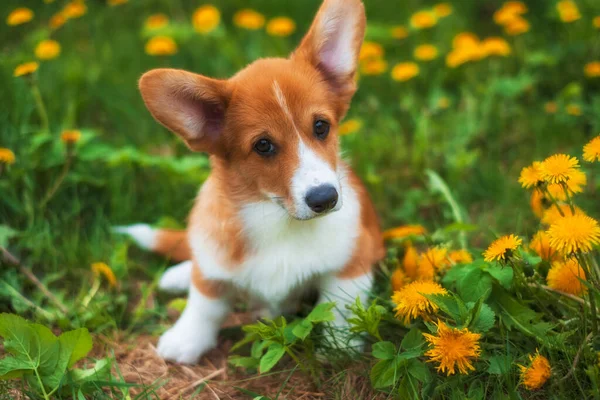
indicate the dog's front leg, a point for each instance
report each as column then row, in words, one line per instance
column 196, row 330
column 343, row 289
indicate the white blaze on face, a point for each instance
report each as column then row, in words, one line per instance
column 312, row 171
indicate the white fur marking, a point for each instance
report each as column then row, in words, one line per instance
column 284, row 253
column 311, row 172
column 195, row 332
column 284, row 106
column 177, row 278
column 144, row 235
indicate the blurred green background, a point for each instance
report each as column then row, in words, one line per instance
column 476, row 125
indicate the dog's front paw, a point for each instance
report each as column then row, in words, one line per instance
column 184, row 346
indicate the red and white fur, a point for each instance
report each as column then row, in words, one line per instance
column 251, row 228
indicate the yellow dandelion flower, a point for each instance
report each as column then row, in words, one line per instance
column 574, row 185
column 399, row 32
column 591, row 151
column 453, row 349
column 558, row 168
column 568, row 11
column 370, row 50
column 495, row 46
column 27, row 68
column 461, row 256
column 574, row 110
column 206, row 18
column 6, row 156
column 423, row 20
column 375, row 66
column 410, row 302
column 57, row 20
column 465, row 39
column 539, row 203
column 517, row 26
column 531, row 176
column 502, row 249
column 404, row 231
column 596, row 22
column 156, row 21
column 74, row 9
column 351, row 126
column 426, row 52
column 100, row 268
column 161, row 46
column 442, row 10
column 249, row 19
column 592, row 69
column 47, row 50
column 509, row 11
column 281, row 26
column 405, row 71
column 566, row 276
column 541, row 245
column 574, row 233
column 443, row 102
column 71, row 136
column 398, row 279
column 410, row 263
column 433, row 260
column 534, row 376
column 553, row 213
column 19, row 16
column 550, row 107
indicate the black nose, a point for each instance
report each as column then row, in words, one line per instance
column 322, row 198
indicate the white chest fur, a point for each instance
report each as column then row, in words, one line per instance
column 284, row 253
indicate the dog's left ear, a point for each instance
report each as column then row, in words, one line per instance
column 333, row 43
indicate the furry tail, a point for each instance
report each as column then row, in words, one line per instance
column 170, row 243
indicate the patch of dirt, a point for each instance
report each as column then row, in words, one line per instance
column 138, row 363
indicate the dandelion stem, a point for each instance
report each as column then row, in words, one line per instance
column 29, row 274
column 569, row 200
column 592, row 305
column 41, row 107
column 52, row 191
column 553, row 200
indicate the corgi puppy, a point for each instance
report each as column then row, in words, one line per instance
column 280, row 211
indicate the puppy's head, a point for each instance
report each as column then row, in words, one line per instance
column 273, row 126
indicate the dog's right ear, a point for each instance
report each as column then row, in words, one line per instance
column 191, row 105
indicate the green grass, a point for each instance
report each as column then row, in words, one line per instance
column 127, row 168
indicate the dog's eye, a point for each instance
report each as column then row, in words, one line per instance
column 321, row 129
column 264, row 147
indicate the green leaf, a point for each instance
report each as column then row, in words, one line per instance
column 75, row 345
column 413, row 339
column 258, row 348
column 410, row 354
column 20, row 340
column 502, row 274
column 321, row 313
column 244, row 362
column 100, row 371
column 419, row 370
column 500, row 364
column 12, row 368
column 484, row 320
column 474, row 285
column 272, row 357
column 384, row 373
column 303, row 329
column 177, row 304
column 384, row 350
column 451, row 305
